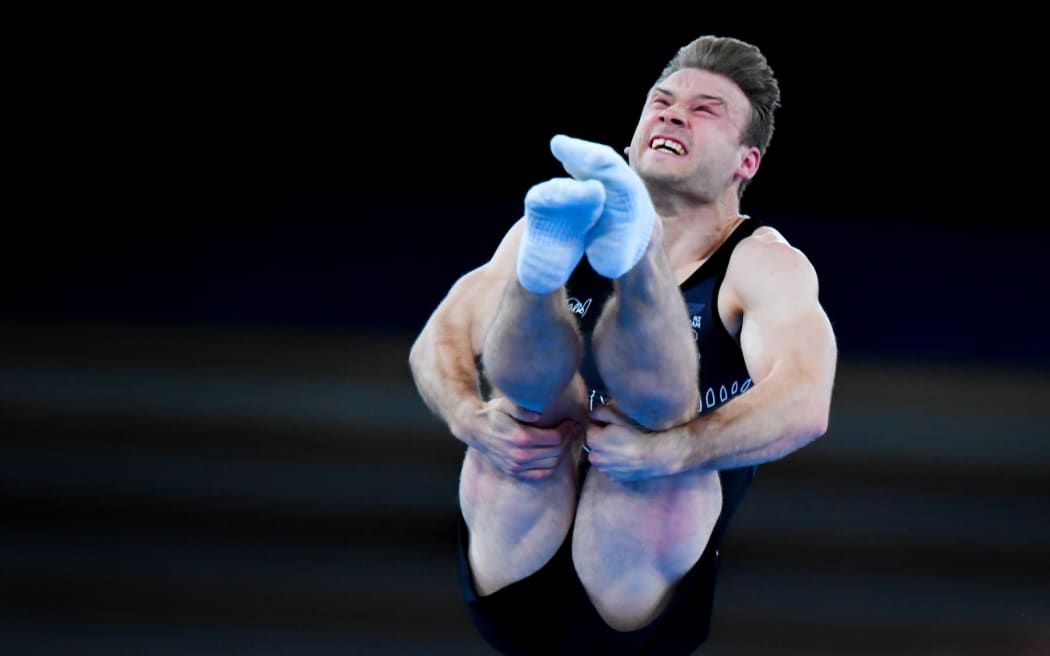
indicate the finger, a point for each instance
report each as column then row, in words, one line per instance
column 610, row 414
column 565, row 431
column 591, row 454
column 594, row 435
column 602, row 463
column 538, row 468
column 569, row 430
column 535, row 474
column 610, row 468
column 539, row 438
column 547, row 463
column 618, row 475
column 604, row 414
column 522, row 459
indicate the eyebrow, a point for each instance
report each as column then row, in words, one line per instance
column 699, row 96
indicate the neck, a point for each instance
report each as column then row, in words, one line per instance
column 692, row 232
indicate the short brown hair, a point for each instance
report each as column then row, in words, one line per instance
column 747, row 67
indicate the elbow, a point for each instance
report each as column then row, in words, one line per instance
column 816, row 428
column 806, row 414
column 416, row 355
column 812, row 420
column 413, row 356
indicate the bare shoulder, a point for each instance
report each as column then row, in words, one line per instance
column 767, row 242
column 476, row 295
column 766, row 249
column 766, row 264
column 498, row 269
column 504, row 260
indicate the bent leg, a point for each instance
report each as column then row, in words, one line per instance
column 644, row 346
column 530, row 355
column 533, row 348
column 517, row 524
column 632, row 543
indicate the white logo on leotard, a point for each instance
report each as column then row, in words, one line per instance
column 713, row 397
column 576, row 307
column 595, row 394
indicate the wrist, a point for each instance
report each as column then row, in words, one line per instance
column 462, row 417
column 690, row 448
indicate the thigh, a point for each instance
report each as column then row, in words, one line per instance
column 632, row 543
column 516, row 525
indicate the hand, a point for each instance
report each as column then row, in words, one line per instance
column 501, row 431
column 625, row 452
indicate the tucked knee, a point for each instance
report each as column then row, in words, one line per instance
column 658, row 410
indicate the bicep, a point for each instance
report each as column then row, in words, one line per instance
column 798, row 344
column 785, row 330
column 470, row 305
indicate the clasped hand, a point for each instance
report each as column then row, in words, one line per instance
column 625, row 452
column 505, row 433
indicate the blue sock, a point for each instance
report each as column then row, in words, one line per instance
column 620, row 236
column 558, row 214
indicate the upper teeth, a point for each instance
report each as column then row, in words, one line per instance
column 673, row 146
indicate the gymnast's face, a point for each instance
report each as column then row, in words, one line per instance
column 688, row 136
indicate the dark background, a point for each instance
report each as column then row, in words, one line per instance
column 226, row 231
column 899, row 164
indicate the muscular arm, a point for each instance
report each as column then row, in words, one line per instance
column 444, row 367
column 443, row 356
column 790, row 351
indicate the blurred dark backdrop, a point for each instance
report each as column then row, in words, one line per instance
column 211, row 443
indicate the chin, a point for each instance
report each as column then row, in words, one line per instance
column 664, row 174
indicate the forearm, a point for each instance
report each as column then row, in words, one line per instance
column 445, row 372
column 789, row 348
column 768, row 422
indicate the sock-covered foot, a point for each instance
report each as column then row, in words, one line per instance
column 558, row 214
column 619, row 238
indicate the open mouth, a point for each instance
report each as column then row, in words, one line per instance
column 667, row 145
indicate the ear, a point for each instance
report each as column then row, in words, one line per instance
column 749, row 163
column 627, row 151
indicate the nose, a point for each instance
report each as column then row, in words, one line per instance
column 674, row 115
